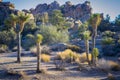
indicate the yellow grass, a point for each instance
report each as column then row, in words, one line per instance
column 83, row 57
column 45, row 58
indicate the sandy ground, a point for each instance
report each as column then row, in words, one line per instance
column 28, row 65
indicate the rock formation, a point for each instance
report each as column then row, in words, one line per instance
column 78, row 12
column 6, row 8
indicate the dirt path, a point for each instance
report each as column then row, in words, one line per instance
column 28, row 65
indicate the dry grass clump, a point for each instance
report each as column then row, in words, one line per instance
column 21, row 74
column 110, row 77
column 45, row 58
column 67, row 55
column 44, row 50
column 103, row 64
column 114, row 66
column 33, row 50
column 83, row 58
column 107, row 65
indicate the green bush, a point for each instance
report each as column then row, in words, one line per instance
column 52, row 35
column 107, row 41
column 108, row 34
column 7, row 38
column 3, row 48
column 28, row 41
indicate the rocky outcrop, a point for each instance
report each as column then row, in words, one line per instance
column 78, row 12
column 6, row 8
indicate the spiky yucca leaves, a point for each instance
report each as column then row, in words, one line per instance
column 22, row 19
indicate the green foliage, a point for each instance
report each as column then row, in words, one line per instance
column 52, row 35
column 107, row 41
column 28, row 41
column 3, row 48
column 95, row 20
column 95, row 52
column 57, row 19
column 86, row 35
column 108, row 34
column 7, row 38
column 30, row 28
column 38, row 38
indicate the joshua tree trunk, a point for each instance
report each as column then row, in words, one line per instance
column 94, row 42
column 19, row 48
column 87, row 50
column 38, row 58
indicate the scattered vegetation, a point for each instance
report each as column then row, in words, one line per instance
column 45, row 58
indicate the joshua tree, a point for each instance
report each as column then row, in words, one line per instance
column 94, row 21
column 38, row 39
column 17, row 22
column 86, row 36
column 22, row 19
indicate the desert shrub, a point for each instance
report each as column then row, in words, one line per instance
column 66, row 55
column 45, row 58
column 33, row 51
column 107, row 41
column 3, row 48
column 23, row 75
column 83, row 57
column 28, row 41
column 44, row 50
column 74, row 48
column 108, row 65
column 114, row 66
column 103, row 65
column 52, row 35
column 7, row 38
column 20, row 74
column 110, row 77
column 108, row 34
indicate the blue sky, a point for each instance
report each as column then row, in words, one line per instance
column 111, row 7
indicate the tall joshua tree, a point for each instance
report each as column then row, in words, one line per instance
column 94, row 21
column 22, row 19
column 38, row 39
column 86, row 36
column 17, row 22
